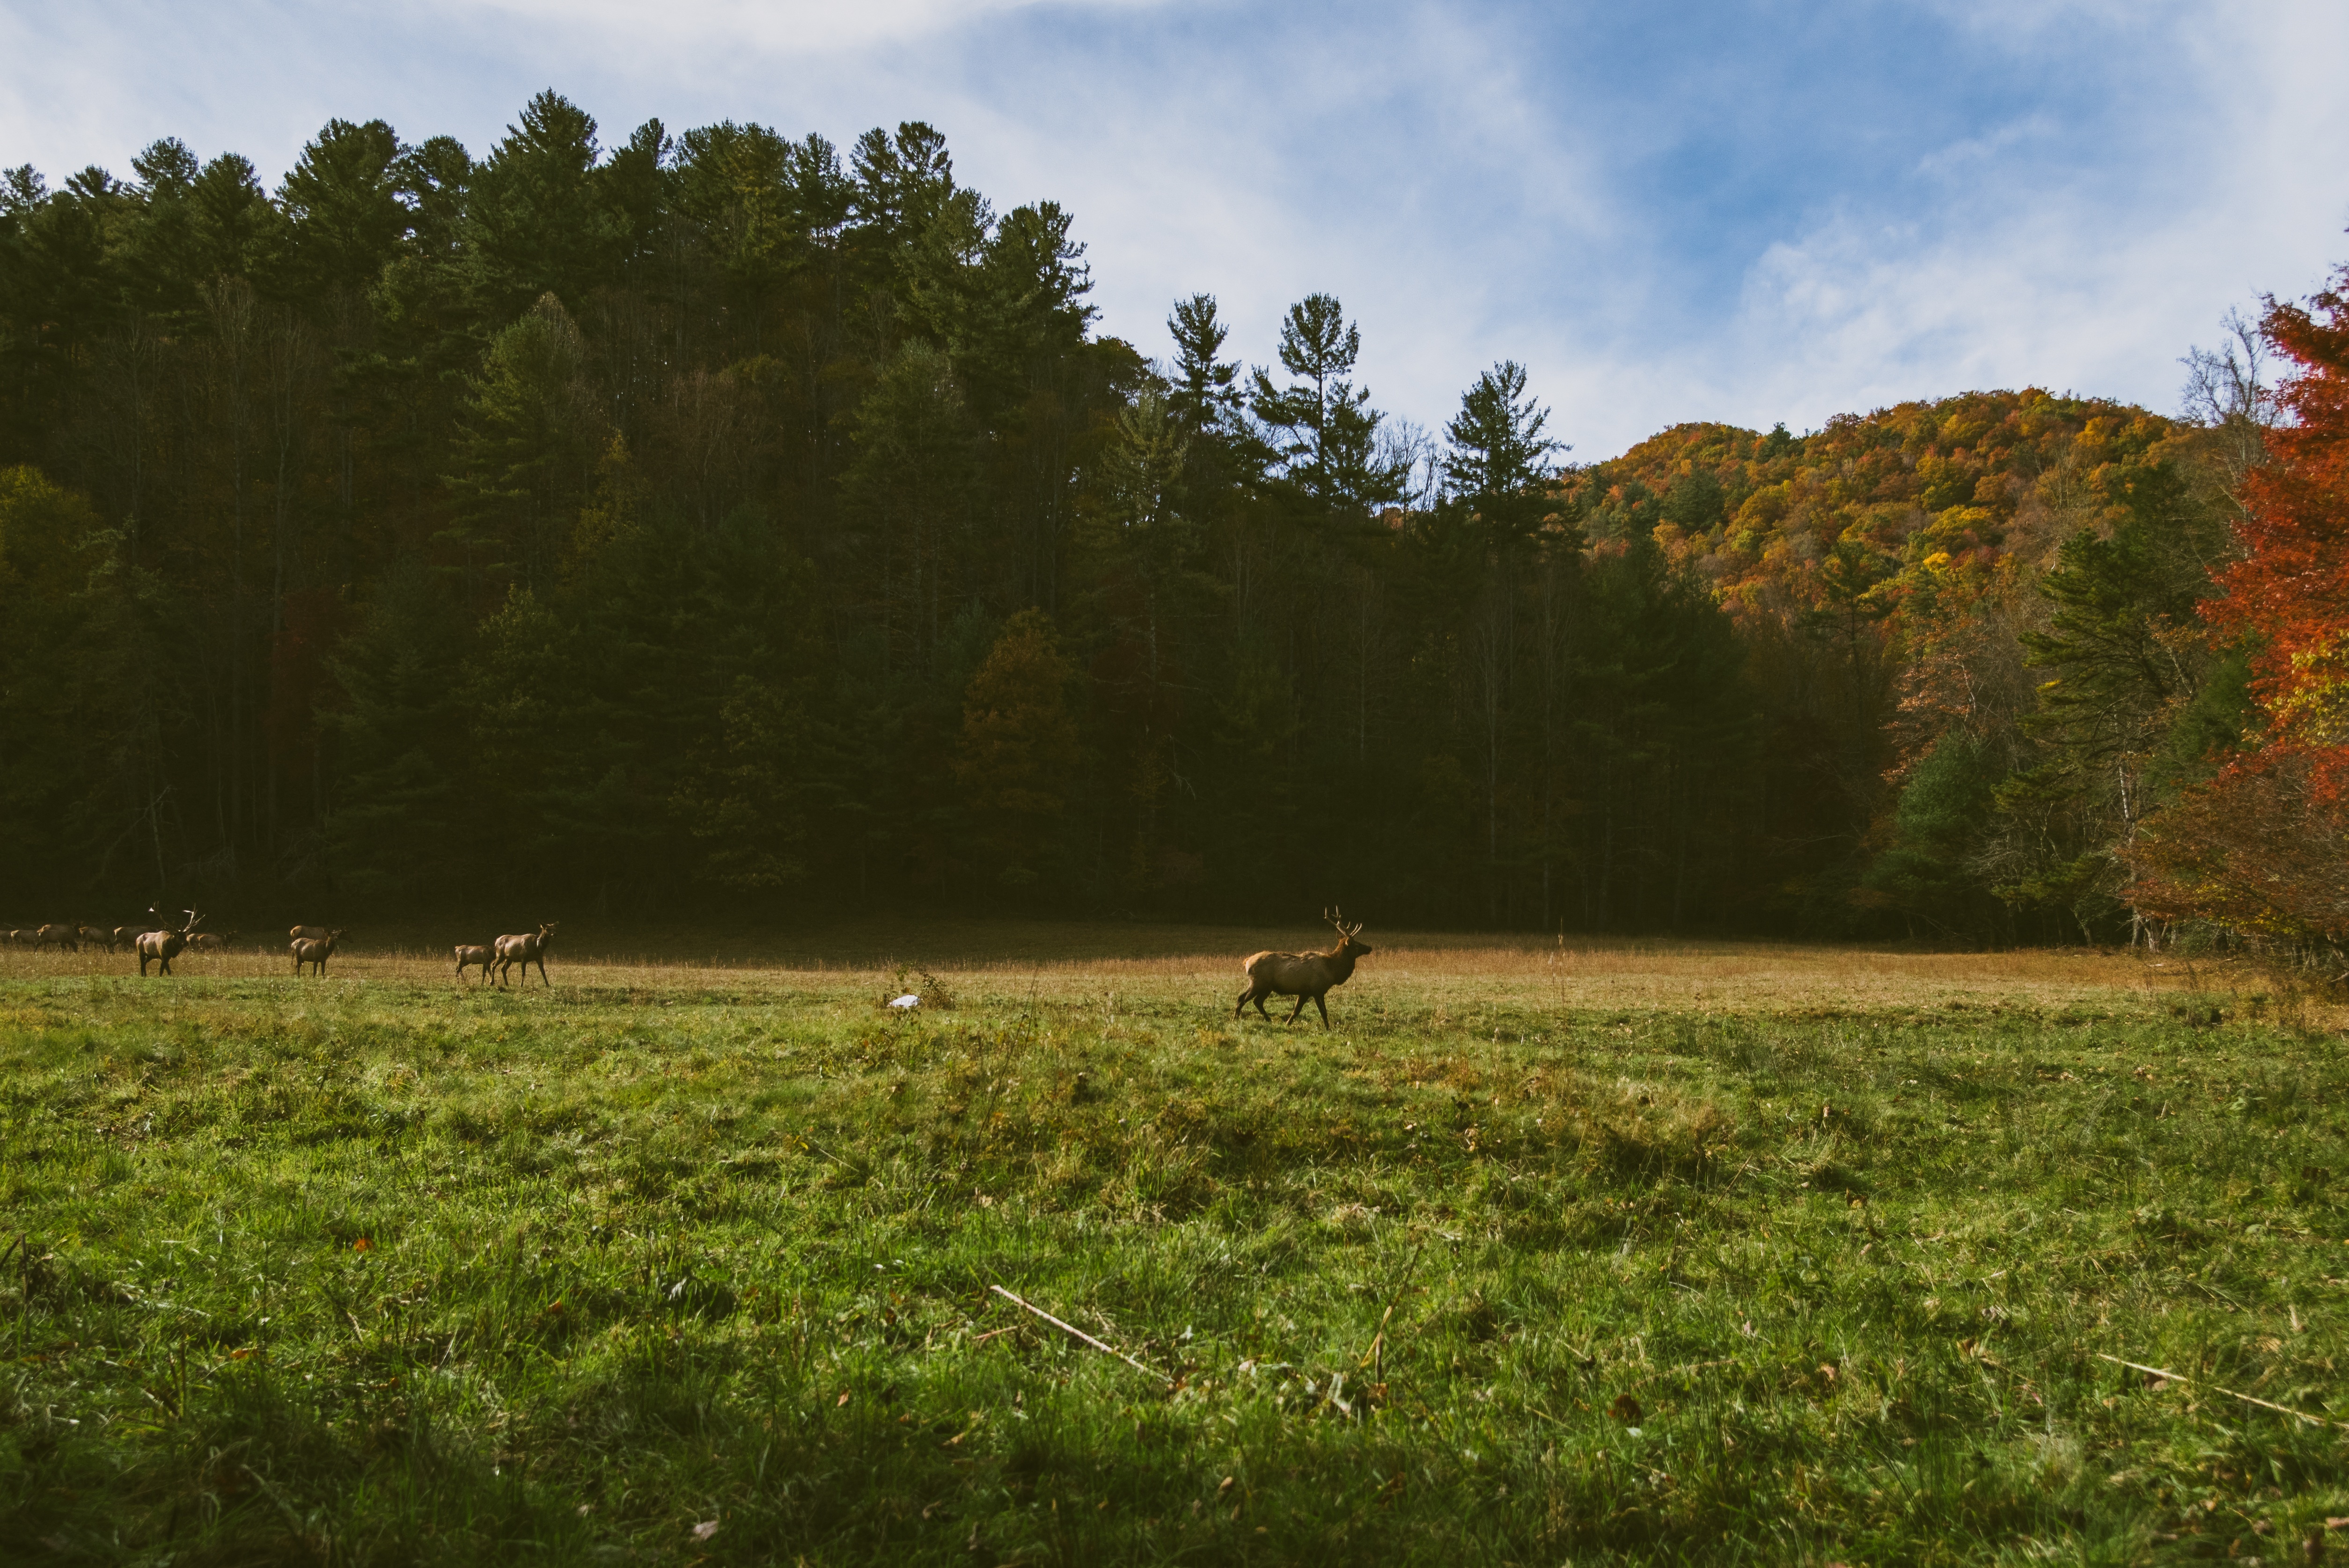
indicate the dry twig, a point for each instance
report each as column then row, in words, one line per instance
column 1081, row 1333
column 2232, row 1394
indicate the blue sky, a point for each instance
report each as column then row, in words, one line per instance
column 1740, row 212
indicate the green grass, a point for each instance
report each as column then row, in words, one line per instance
column 375, row 1271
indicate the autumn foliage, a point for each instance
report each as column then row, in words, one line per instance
column 2265, row 847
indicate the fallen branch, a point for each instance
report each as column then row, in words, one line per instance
column 2232, row 1394
column 1081, row 1333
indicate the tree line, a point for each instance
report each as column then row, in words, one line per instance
column 721, row 518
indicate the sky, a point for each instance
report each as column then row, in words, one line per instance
column 1754, row 212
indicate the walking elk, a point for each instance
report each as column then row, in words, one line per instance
column 1307, row 976
column 524, row 951
column 162, row 946
column 469, row 956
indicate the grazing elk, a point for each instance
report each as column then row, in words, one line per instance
column 1307, row 976
column 307, row 950
column 468, row 956
column 524, row 951
column 97, row 936
column 54, row 935
column 162, row 946
column 213, row 941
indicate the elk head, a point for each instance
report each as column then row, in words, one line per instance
column 1349, row 936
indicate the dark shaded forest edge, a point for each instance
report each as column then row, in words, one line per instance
column 721, row 525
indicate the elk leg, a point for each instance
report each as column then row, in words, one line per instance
column 1259, row 1007
column 1296, row 1009
column 1325, row 1010
column 1241, row 1005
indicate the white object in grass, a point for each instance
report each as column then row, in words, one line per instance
column 907, row 1000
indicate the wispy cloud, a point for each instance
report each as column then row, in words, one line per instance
column 1750, row 209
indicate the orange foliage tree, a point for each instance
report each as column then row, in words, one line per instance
column 2265, row 847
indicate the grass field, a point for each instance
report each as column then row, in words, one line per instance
column 1679, row 1252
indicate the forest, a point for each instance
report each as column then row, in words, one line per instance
column 718, row 521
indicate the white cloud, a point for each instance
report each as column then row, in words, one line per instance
column 1682, row 231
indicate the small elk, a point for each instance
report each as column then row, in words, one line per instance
column 162, row 946
column 469, row 956
column 308, row 950
column 54, row 935
column 1307, row 976
column 524, row 951
column 213, row 941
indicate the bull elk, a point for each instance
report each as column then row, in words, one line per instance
column 308, row 950
column 470, row 957
column 162, row 946
column 524, row 951
column 1307, row 976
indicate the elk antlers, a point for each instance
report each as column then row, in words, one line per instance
column 1337, row 918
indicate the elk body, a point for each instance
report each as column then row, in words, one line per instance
column 66, row 936
column 162, row 946
column 308, row 950
column 470, row 957
column 211, row 940
column 97, row 936
column 524, row 951
column 308, row 933
column 1307, row 976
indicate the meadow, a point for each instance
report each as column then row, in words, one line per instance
column 1685, row 1252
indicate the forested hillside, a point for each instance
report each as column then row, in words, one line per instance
column 722, row 521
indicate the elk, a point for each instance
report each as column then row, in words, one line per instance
column 97, row 936
column 524, row 951
column 307, row 950
column 1307, row 976
column 213, row 941
column 307, row 933
column 468, row 956
column 162, row 946
column 66, row 936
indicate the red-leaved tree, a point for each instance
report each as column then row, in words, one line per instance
column 2264, row 848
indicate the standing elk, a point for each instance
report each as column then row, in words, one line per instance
column 307, row 933
column 468, row 957
column 524, row 951
column 1307, row 976
column 54, row 935
column 307, row 950
column 97, row 936
column 162, row 946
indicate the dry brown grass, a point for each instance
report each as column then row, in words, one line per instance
column 998, row 963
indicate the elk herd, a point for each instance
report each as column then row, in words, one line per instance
column 309, row 945
column 1307, row 976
